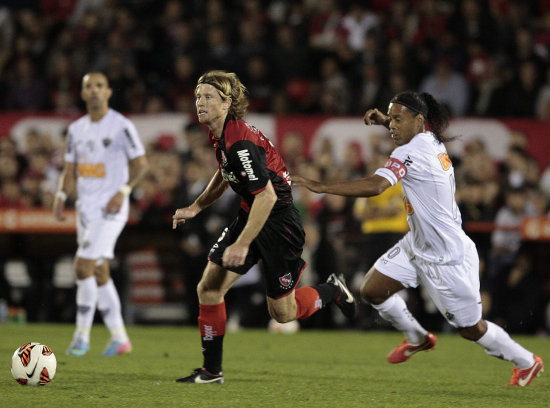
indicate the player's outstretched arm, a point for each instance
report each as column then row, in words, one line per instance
column 183, row 214
column 366, row 187
column 211, row 193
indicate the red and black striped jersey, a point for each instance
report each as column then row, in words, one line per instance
column 247, row 160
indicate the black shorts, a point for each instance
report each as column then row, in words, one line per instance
column 279, row 245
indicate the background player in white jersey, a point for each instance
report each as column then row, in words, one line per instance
column 435, row 252
column 101, row 146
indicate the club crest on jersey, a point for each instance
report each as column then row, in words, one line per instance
column 106, row 142
column 229, row 176
column 450, row 317
column 286, row 281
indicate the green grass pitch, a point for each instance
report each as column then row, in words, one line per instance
column 307, row 369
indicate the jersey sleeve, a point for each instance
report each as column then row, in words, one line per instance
column 70, row 151
column 395, row 169
column 249, row 160
column 131, row 141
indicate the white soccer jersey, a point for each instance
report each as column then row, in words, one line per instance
column 101, row 151
column 427, row 176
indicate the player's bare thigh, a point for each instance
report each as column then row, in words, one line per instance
column 283, row 309
column 377, row 287
column 102, row 272
column 84, row 268
column 215, row 283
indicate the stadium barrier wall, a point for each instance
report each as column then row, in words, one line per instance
column 34, row 233
column 495, row 133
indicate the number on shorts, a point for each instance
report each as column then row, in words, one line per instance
column 393, row 253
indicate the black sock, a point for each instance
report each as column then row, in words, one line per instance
column 327, row 292
column 212, row 350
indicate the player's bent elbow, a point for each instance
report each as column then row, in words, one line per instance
column 377, row 189
column 374, row 185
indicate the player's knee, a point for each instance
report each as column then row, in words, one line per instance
column 474, row 333
column 83, row 269
column 102, row 276
column 80, row 274
column 369, row 294
column 208, row 295
column 101, row 279
column 202, row 289
column 376, row 288
column 282, row 315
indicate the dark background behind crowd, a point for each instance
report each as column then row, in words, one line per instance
column 480, row 58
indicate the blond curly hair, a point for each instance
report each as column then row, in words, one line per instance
column 228, row 85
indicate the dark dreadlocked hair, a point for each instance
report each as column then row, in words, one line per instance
column 436, row 114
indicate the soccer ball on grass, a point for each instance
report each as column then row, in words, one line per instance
column 33, row 364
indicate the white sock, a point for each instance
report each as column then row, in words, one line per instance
column 108, row 303
column 394, row 310
column 86, row 301
column 498, row 343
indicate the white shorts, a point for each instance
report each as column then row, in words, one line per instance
column 97, row 238
column 453, row 288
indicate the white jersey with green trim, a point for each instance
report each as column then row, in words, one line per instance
column 427, row 176
column 101, row 151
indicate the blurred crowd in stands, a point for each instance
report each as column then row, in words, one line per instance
column 481, row 58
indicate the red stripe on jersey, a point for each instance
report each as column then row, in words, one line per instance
column 398, row 168
column 245, row 206
column 258, row 191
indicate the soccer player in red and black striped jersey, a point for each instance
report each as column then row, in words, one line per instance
column 268, row 226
